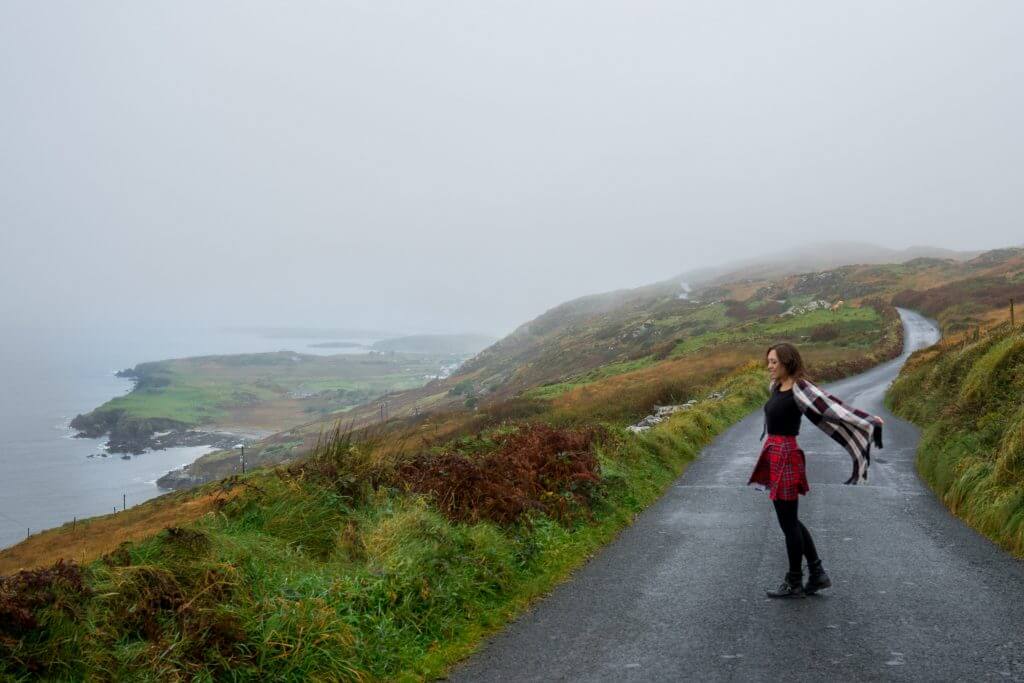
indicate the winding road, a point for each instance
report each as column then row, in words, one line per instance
column 679, row 594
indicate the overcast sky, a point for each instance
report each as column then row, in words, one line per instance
column 464, row 166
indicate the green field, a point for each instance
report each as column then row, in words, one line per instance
column 857, row 327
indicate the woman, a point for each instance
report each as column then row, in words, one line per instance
column 780, row 469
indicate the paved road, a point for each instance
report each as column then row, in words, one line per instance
column 679, row 595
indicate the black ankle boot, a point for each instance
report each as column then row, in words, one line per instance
column 817, row 578
column 790, row 587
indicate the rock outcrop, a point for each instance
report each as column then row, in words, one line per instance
column 180, row 479
column 662, row 413
column 808, row 307
column 136, row 435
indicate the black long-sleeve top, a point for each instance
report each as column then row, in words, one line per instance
column 781, row 413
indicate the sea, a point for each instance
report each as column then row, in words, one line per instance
column 48, row 376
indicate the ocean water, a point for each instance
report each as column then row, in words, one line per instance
column 48, row 376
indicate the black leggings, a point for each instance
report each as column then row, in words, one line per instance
column 798, row 539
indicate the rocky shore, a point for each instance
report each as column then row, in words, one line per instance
column 137, row 435
column 175, row 480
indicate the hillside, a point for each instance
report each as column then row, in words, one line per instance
column 640, row 344
column 664, row 320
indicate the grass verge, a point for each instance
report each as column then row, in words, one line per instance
column 967, row 399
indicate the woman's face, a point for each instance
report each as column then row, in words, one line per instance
column 776, row 370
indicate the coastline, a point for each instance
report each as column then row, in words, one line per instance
column 51, row 375
column 190, row 401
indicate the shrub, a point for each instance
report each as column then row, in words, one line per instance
column 825, row 332
column 553, row 471
column 515, row 408
column 337, row 461
column 465, row 387
column 33, row 605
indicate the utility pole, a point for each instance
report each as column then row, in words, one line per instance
column 242, row 456
column 1012, row 321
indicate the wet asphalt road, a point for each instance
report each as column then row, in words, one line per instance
column 679, row 595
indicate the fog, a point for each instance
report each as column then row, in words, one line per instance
column 463, row 166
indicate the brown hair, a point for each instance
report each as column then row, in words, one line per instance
column 790, row 359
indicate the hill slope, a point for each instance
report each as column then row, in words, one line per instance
column 637, row 344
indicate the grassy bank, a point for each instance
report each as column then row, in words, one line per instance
column 340, row 568
column 966, row 396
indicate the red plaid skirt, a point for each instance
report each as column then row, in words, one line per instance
column 780, row 468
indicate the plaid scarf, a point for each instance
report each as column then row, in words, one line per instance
column 850, row 427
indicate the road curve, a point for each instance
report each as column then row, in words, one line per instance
column 679, row 594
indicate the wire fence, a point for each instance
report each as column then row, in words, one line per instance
column 74, row 520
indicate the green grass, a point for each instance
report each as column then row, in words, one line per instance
column 858, row 324
column 967, row 400
column 185, row 403
column 203, row 390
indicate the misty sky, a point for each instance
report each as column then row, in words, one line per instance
column 464, row 166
